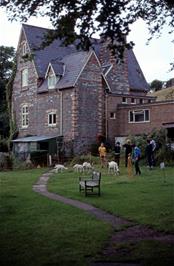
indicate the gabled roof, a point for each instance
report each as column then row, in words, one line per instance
column 74, row 63
column 136, row 77
column 59, row 67
column 57, row 55
column 42, row 57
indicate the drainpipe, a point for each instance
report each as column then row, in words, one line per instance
column 106, row 116
column 61, row 113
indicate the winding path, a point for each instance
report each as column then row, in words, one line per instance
column 125, row 231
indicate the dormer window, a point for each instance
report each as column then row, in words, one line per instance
column 52, row 80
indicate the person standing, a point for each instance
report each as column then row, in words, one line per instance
column 102, row 154
column 128, row 150
column 148, row 152
column 117, row 149
column 153, row 143
column 136, row 157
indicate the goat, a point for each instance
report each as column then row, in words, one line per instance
column 87, row 166
column 59, row 168
column 78, row 168
column 113, row 166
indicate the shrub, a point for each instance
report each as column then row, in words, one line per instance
column 163, row 150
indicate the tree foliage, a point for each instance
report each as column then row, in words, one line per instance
column 156, row 85
column 6, row 67
column 84, row 18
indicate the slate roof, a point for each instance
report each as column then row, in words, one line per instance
column 57, row 55
column 136, row 77
column 42, row 57
column 74, row 64
column 58, row 67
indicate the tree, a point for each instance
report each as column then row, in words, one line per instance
column 81, row 19
column 170, row 83
column 156, row 85
column 6, row 67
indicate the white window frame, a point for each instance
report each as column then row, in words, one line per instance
column 24, row 77
column 51, row 117
column 124, row 102
column 25, row 115
column 52, row 80
column 112, row 115
column 138, row 112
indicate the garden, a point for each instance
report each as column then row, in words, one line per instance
column 40, row 231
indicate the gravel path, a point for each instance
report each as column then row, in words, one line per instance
column 124, row 231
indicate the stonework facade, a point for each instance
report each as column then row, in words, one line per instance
column 59, row 91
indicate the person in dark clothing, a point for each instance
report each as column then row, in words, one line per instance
column 136, row 157
column 128, row 150
column 149, row 152
column 117, row 149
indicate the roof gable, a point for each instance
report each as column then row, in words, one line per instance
column 57, row 55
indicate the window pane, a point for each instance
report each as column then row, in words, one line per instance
column 131, row 116
column 50, row 119
column 54, row 118
column 146, row 115
column 139, row 117
column 51, row 81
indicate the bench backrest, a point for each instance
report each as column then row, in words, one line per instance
column 96, row 175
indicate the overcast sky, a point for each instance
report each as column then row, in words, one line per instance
column 154, row 59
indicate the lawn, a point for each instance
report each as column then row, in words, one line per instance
column 37, row 231
column 146, row 199
column 42, row 232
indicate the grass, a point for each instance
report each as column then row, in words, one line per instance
column 146, row 199
column 42, row 232
column 38, row 231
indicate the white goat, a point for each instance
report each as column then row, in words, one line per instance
column 78, row 168
column 59, row 168
column 87, row 166
column 113, row 167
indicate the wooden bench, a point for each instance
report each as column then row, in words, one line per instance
column 90, row 185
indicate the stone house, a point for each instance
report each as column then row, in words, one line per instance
column 65, row 96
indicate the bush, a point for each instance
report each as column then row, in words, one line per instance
column 163, row 150
column 5, row 161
